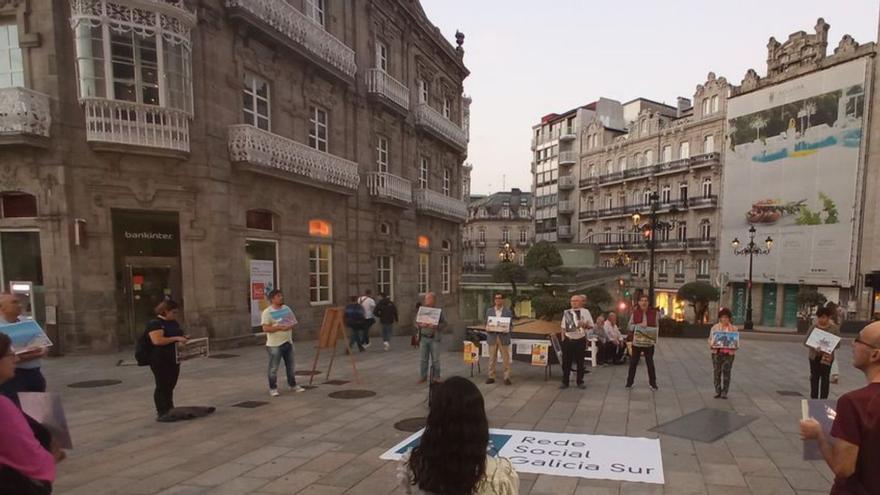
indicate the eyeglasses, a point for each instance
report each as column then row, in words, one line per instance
column 860, row 341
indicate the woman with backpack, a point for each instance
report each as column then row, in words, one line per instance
column 162, row 333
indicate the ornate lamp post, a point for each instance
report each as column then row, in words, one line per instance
column 648, row 232
column 750, row 250
column 507, row 254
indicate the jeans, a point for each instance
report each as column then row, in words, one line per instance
column 609, row 352
column 573, row 350
column 429, row 347
column 634, row 363
column 820, row 378
column 387, row 331
column 355, row 339
column 25, row 380
column 722, row 365
column 276, row 354
column 365, row 331
column 165, row 373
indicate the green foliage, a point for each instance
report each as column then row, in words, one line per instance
column 599, row 300
column 549, row 307
column 543, row 256
column 699, row 294
column 808, row 217
column 808, row 298
column 829, row 208
column 509, row 273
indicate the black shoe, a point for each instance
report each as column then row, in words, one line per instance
column 718, row 395
column 490, row 381
column 629, row 386
column 165, row 418
column 655, row 388
column 581, row 386
column 563, row 386
column 507, row 381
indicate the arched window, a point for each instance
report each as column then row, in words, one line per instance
column 705, row 229
column 260, row 220
column 18, row 205
column 446, row 245
column 707, row 187
column 320, row 228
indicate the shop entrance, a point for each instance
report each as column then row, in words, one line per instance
column 148, row 281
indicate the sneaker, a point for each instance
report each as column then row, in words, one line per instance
column 490, row 381
column 723, row 396
column 629, row 387
column 274, row 392
column 655, row 388
column 165, row 418
column 507, row 381
column 297, row 389
column 367, row 345
column 387, row 345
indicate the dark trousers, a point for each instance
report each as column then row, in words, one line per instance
column 166, row 374
column 634, row 363
column 573, row 350
column 365, row 331
column 722, row 364
column 25, row 380
column 609, row 352
column 820, row 378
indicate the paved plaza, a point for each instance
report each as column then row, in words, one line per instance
column 312, row 444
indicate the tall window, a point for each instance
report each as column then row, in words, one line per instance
column 610, row 201
column 621, row 163
column 705, row 230
column 447, row 181
column 683, row 191
column 423, row 91
column 682, row 232
column 445, row 273
column 703, row 268
column 679, row 268
column 523, row 236
column 666, row 194
column 11, row 66
column 320, row 273
column 382, row 154
column 707, row 187
column 505, row 234
column 663, row 268
column 609, row 167
column 607, row 235
column 315, row 11
column 709, row 144
column 481, row 258
column 381, row 56
column 385, row 275
column 646, row 197
column 482, row 233
column 684, row 150
column 256, row 102
column 135, row 68
column 649, row 158
column 423, row 272
column 318, row 128
column 447, row 108
column 423, row 173
column 663, row 233
column 715, row 103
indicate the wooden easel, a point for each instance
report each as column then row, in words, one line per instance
column 332, row 329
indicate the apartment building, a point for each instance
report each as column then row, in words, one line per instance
column 495, row 221
column 152, row 149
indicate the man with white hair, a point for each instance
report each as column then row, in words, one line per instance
column 575, row 323
column 429, row 342
column 28, row 377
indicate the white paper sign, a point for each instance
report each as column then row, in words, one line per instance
column 498, row 324
column 823, row 341
column 567, row 454
column 428, row 316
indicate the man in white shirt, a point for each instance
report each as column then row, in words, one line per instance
column 278, row 321
column 615, row 345
column 369, row 305
column 575, row 323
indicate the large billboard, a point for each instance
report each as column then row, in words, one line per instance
column 791, row 170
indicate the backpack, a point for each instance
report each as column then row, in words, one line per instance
column 354, row 315
column 143, row 349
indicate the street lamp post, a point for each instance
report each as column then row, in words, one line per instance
column 649, row 232
column 750, row 250
column 507, row 254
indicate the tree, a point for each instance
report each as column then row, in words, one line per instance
column 548, row 306
column 699, row 294
column 543, row 256
column 809, row 298
column 598, row 300
column 510, row 273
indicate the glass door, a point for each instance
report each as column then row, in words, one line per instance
column 148, row 282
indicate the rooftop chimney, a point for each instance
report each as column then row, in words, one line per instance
column 682, row 105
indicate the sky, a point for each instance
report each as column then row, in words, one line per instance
column 528, row 59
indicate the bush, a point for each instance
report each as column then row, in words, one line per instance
column 671, row 328
column 547, row 307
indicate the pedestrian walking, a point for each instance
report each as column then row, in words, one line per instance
column 354, row 320
column 161, row 334
column 575, row 323
column 429, row 342
column 499, row 341
column 386, row 311
column 278, row 321
column 820, row 362
column 643, row 316
column 853, row 449
column 722, row 357
column 28, row 377
column 369, row 305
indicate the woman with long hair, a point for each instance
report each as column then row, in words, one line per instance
column 451, row 458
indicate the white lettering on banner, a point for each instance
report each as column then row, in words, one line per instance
column 564, row 454
column 149, row 236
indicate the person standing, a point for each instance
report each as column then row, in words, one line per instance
column 499, row 341
column 369, row 305
column 820, row 362
column 615, row 344
column 28, row 377
column 575, row 323
column 645, row 316
column 722, row 358
column 853, row 451
column 278, row 321
column 354, row 320
column 429, row 342
column 598, row 333
column 386, row 311
column 163, row 333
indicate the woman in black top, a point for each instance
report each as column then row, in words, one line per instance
column 164, row 332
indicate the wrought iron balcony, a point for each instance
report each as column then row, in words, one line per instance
column 705, row 160
column 568, row 157
column 703, row 201
column 634, row 173
column 382, row 84
column 613, row 212
column 566, row 182
column 587, row 182
column 114, row 123
column 701, row 243
column 588, row 214
column 385, row 186
column 673, row 166
column 286, row 24
column 612, row 177
column 24, row 115
column 263, row 152
column 440, row 126
column 433, row 203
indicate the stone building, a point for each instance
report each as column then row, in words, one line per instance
column 209, row 150
column 675, row 152
column 493, row 220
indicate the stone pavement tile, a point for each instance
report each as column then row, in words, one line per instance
column 328, row 462
column 761, row 485
column 805, row 479
column 262, row 455
column 184, row 490
column 728, row 490
column 684, row 483
column 596, row 490
column 159, row 481
column 321, row 490
column 277, row 467
column 554, row 485
column 292, row 482
column 238, row 486
column 722, row 474
column 790, row 459
column 152, row 467
column 680, row 462
column 758, row 466
column 382, row 481
column 313, row 449
column 103, row 486
column 220, row 474
column 640, row 489
column 716, row 453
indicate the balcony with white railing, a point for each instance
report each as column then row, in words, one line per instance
column 433, row 203
column 382, row 84
column 263, row 152
column 440, row 126
column 568, row 157
column 285, row 23
column 111, row 124
column 563, row 231
column 566, row 206
column 387, row 187
column 24, row 116
column 566, row 182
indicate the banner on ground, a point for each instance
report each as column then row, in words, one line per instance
column 566, row 454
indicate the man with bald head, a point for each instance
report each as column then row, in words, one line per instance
column 575, row 323
column 28, row 377
column 853, row 451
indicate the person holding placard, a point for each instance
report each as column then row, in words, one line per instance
column 163, row 332
column 498, row 323
column 28, row 377
column 430, row 321
column 278, row 321
column 821, row 356
column 575, row 323
column 723, row 343
column 643, row 326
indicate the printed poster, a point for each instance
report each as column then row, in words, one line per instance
column 498, row 324
column 26, row 335
column 46, row 409
column 823, row 341
column 540, row 354
column 262, row 282
column 824, row 411
column 645, row 336
column 194, row 348
column 428, row 316
column 725, row 340
column 470, row 352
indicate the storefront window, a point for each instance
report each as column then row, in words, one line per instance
column 20, row 259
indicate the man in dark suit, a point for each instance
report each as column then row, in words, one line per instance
column 499, row 340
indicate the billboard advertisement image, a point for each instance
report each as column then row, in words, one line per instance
column 791, row 170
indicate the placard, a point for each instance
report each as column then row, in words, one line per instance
column 470, row 352
column 26, row 335
column 498, row 324
column 824, row 411
column 567, row 454
column 45, row 408
column 193, row 348
column 283, row 316
column 644, row 336
column 725, row 340
column 540, row 354
column 428, row 316
column 822, row 341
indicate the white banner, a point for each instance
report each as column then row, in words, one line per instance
column 566, row 454
column 262, row 282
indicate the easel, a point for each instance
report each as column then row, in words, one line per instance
column 332, row 328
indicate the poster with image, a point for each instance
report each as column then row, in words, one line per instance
column 498, row 324
column 471, row 352
column 262, row 282
column 791, row 169
column 540, row 354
